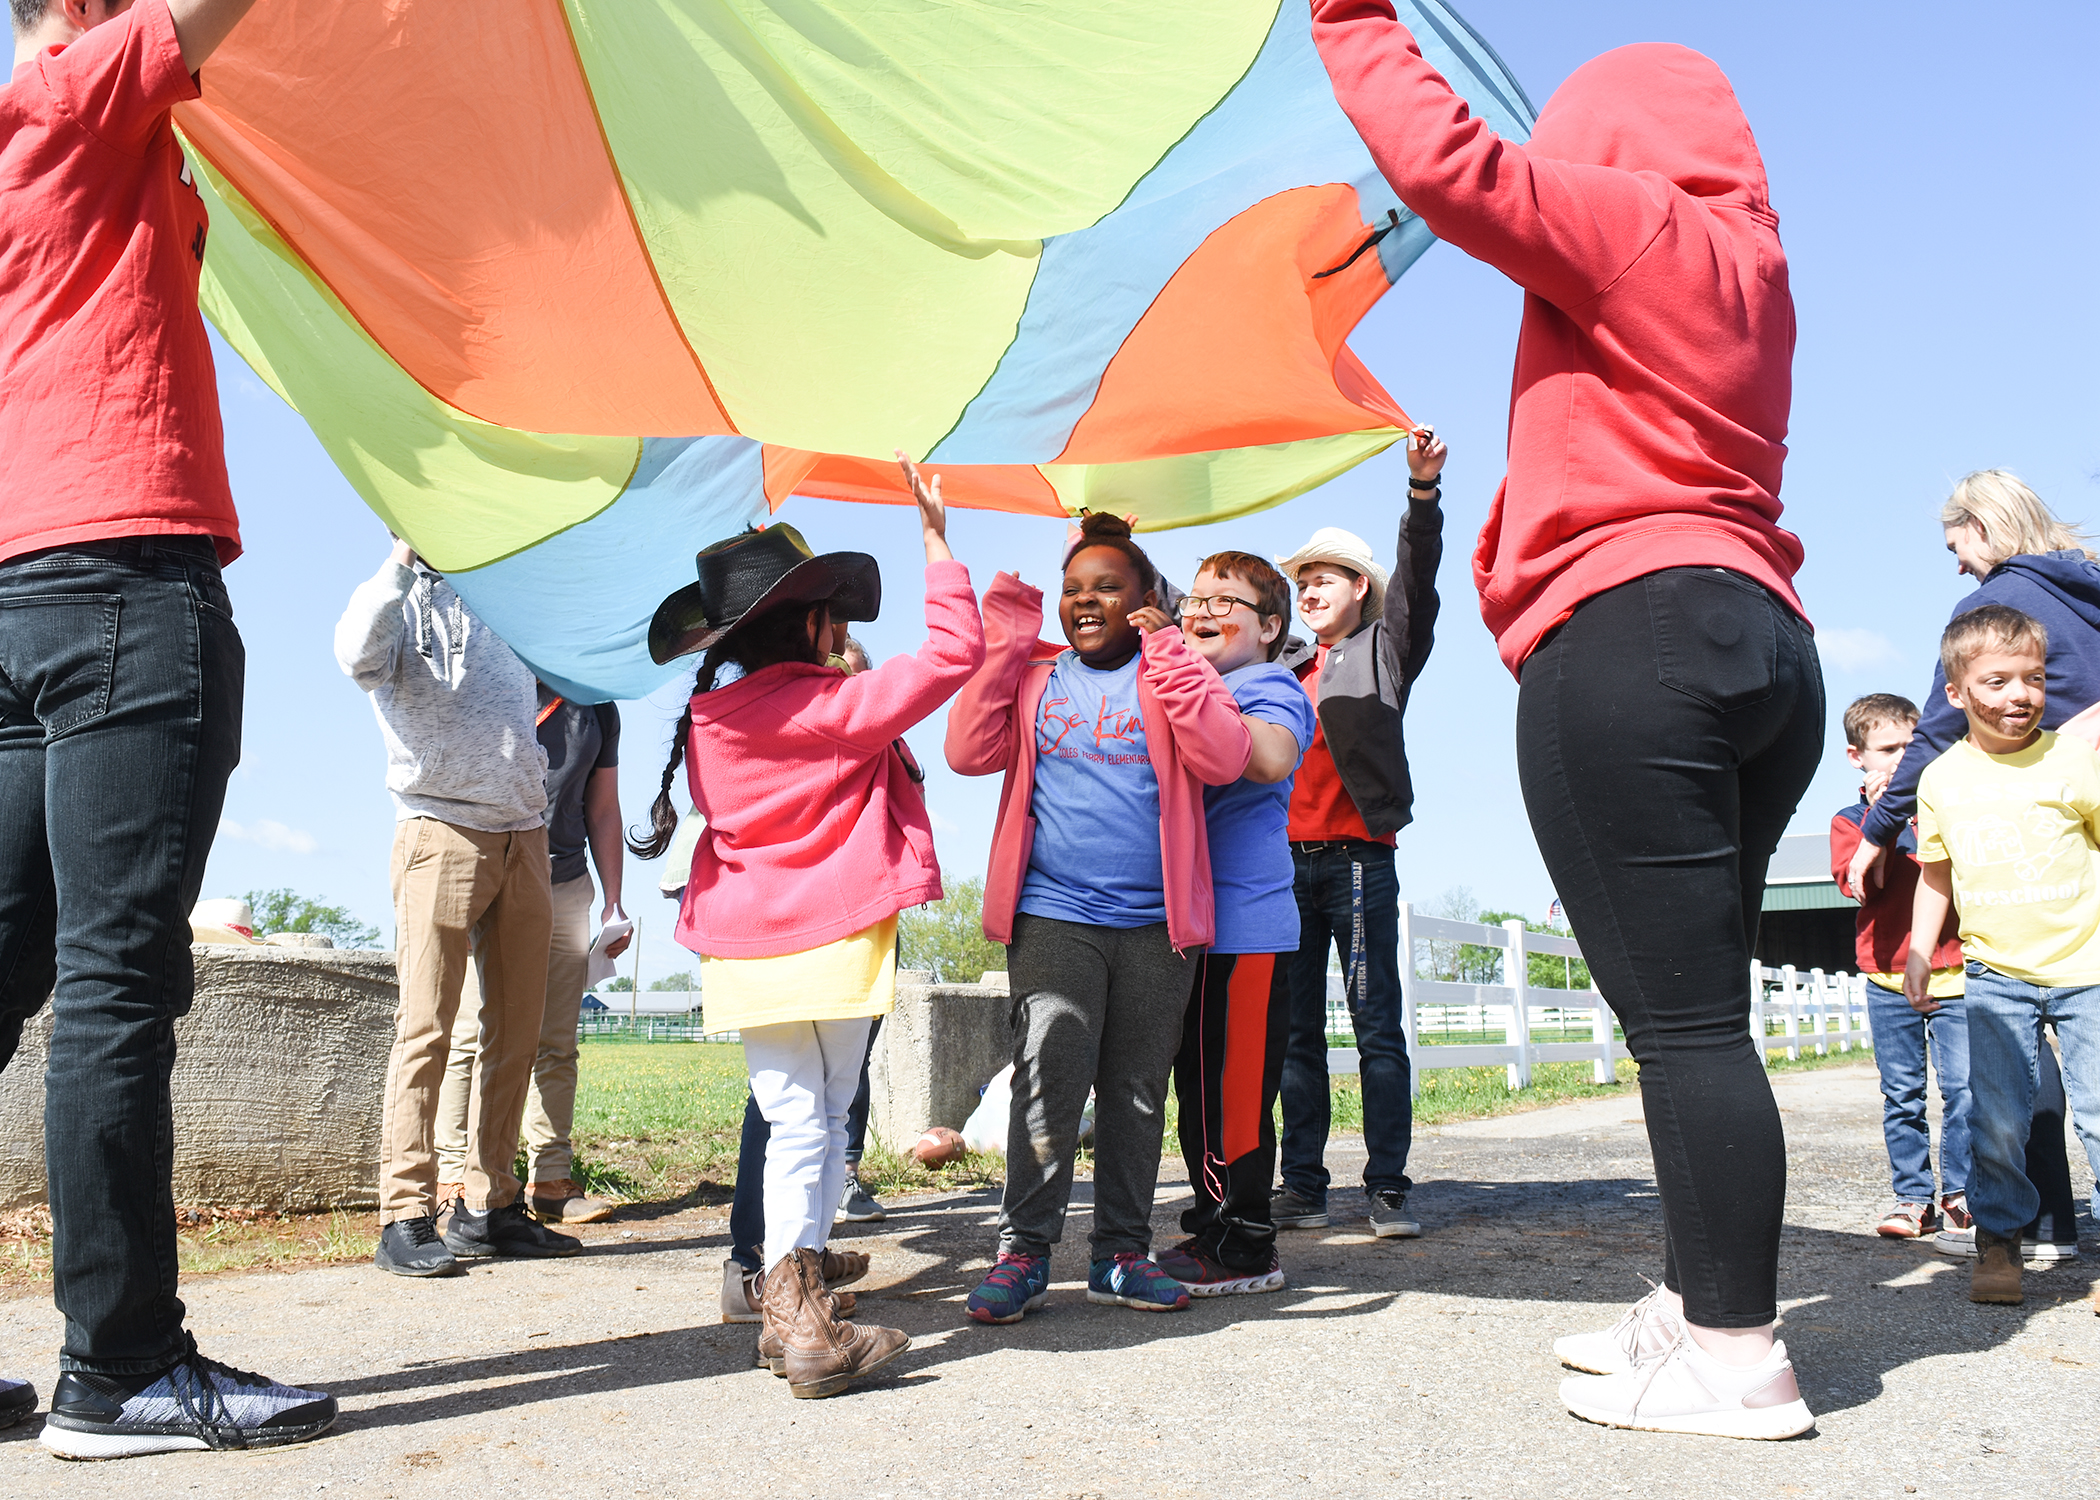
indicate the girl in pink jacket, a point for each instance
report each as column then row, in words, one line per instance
column 816, row 838
column 1099, row 885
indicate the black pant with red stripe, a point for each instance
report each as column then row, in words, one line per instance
column 1225, row 1084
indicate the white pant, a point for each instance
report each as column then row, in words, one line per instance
column 803, row 1075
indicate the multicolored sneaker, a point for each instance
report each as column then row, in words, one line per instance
column 1018, row 1285
column 1959, row 1237
column 1205, row 1276
column 195, row 1403
column 1909, row 1221
column 1131, row 1280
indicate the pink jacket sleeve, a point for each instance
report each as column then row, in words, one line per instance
column 872, row 708
column 1564, row 230
column 980, row 725
column 1209, row 735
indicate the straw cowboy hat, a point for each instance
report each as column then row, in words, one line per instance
column 755, row 571
column 1331, row 544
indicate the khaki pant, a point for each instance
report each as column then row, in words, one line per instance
column 448, row 881
column 550, row 1101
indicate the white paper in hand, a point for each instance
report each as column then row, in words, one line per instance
column 597, row 967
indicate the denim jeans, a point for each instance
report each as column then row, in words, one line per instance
column 120, row 721
column 1349, row 899
column 1665, row 734
column 1901, row 1037
column 2005, row 1017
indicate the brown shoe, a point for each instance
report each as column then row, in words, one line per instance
column 563, row 1202
column 843, row 1267
column 1995, row 1275
column 820, row 1353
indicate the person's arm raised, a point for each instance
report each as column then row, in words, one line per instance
column 200, row 25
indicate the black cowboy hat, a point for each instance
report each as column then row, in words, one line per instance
column 752, row 572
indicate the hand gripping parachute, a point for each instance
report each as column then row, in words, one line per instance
column 1077, row 255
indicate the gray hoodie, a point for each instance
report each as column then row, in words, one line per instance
column 455, row 704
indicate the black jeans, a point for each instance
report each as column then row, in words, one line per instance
column 120, row 721
column 1349, row 903
column 1664, row 735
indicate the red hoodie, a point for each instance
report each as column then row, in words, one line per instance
column 1654, row 367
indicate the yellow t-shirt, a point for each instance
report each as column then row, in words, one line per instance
column 2020, row 829
column 1945, row 984
column 854, row 976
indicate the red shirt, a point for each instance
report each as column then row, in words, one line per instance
column 1654, row 374
column 1321, row 807
column 109, row 407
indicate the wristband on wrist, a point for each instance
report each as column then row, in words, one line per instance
column 1429, row 486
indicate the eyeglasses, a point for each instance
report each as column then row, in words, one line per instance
column 1219, row 605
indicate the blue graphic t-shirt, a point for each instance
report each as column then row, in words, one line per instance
column 1250, row 850
column 1096, row 803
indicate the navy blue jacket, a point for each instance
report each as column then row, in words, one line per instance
column 2062, row 590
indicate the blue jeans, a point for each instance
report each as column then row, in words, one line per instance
column 1900, row 1039
column 1348, row 898
column 2005, row 1017
column 120, row 721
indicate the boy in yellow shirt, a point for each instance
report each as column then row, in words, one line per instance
column 2009, row 830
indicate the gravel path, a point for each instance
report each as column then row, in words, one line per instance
column 1388, row 1367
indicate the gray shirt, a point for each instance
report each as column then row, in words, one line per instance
column 455, row 705
column 580, row 739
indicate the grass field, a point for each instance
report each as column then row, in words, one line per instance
column 658, row 1123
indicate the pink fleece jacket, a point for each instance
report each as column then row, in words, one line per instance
column 815, row 828
column 1192, row 730
column 1648, row 413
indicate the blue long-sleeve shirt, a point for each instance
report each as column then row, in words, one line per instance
column 2060, row 589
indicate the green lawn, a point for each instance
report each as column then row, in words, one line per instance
column 660, row 1121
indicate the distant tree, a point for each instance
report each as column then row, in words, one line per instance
column 619, row 986
column 285, row 910
column 682, row 982
column 1546, row 971
column 947, row 937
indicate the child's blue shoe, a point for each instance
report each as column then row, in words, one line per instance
column 1018, row 1285
column 1134, row 1281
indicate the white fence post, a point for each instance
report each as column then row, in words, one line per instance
column 1790, row 987
column 1407, row 998
column 1605, row 1069
column 1516, row 973
column 1757, row 1011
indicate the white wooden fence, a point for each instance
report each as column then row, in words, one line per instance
column 1816, row 1011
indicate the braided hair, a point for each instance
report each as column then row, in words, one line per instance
column 780, row 634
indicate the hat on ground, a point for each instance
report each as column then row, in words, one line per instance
column 755, row 571
column 1331, row 544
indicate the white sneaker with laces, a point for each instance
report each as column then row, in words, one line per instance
column 1647, row 1329
column 1685, row 1389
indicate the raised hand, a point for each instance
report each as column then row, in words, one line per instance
column 933, row 514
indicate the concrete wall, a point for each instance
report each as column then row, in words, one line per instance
column 279, row 1071
column 937, row 1049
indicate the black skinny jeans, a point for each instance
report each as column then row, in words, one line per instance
column 120, row 720
column 1664, row 735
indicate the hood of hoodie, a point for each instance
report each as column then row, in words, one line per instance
column 2071, row 577
column 1657, row 107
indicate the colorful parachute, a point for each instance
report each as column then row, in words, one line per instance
column 568, row 290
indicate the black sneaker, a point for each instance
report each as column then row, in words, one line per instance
column 1289, row 1211
column 1389, row 1215
column 17, row 1400
column 195, row 1403
column 857, row 1205
column 411, row 1247
column 510, row 1231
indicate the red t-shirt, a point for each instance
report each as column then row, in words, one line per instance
column 109, row 407
column 1321, row 807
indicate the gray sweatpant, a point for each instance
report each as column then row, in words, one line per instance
column 1097, row 1007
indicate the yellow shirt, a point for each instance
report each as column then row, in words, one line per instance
column 2020, row 830
column 855, row 976
column 1945, row 984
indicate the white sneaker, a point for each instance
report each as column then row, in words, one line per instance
column 1955, row 1241
column 1647, row 1329
column 2046, row 1250
column 1685, row 1389
column 741, row 1290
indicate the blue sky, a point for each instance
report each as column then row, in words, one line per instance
column 1934, row 174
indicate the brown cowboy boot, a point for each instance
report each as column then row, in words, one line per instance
column 1994, row 1276
column 821, row 1353
column 769, row 1351
column 843, row 1267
